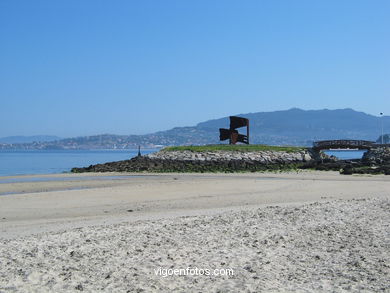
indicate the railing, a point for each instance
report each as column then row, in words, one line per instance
column 343, row 144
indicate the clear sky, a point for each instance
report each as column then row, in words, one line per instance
column 84, row 67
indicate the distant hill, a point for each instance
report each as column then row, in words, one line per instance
column 289, row 127
column 28, row 139
column 386, row 139
column 301, row 127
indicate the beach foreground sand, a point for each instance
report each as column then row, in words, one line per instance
column 304, row 232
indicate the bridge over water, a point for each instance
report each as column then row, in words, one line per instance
column 344, row 144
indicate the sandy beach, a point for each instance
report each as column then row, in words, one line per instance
column 258, row 232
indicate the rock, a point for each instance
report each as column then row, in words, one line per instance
column 379, row 155
column 187, row 161
column 79, row 287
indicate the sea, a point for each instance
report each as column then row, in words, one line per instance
column 27, row 162
column 346, row 154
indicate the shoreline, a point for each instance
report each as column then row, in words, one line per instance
column 141, row 195
column 40, row 183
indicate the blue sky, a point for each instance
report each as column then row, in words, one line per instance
column 73, row 68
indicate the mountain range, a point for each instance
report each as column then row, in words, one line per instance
column 288, row 127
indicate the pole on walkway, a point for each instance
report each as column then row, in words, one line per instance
column 382, row 125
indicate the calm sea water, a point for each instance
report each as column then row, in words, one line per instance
column 346, row 154
column 58, row 161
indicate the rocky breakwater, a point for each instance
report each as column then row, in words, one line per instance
column 207, row 161
column 377, row 156
column 375, row 161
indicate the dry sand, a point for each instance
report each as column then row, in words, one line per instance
column 307, row 231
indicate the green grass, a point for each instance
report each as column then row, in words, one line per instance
column 239, row 148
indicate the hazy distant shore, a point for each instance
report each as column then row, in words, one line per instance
column 273, row 128
column 314, row 231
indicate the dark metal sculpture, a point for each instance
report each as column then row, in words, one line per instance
column 232, row 134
